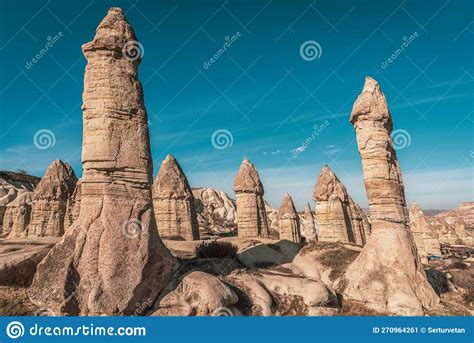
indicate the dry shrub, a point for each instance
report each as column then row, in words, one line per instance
column 215, row 249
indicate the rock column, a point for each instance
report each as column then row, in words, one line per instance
column 388, row 275
column 339, row 218
column 50, row 197
column 111, row 260
column 17, row 216
column 173, row 202
column 288, row 220
column 251, row 215
column 309, row 224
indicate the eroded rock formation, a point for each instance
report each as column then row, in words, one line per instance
column 309, row 224
column 73, row 206
column 288, row 220
column 339, row 218
column 111, row 259
column 424, row 233
column 17, row 216
column 173, row 202
column 50, row 197
column 387, row 276
column 216, row 211
column 251, row 214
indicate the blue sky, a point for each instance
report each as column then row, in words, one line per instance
column 261, row 90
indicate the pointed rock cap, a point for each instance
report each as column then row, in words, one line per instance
column 171, row 183
column 307, row 208
column 247, row 179
column 371, row 104
column 287, row 209
column 112, row 33
column 327, row 185
column 58, row 182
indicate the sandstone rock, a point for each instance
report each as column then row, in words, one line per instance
column 111, row 259
column 50, row 197
column 12, row 183
column 198, row 294
column 387, row 275
column 173, row 202
column 251, row 214
column 288, row 220
column 309, row 224
column 73, row 206
column 339, row 218
column 424, row 234
column 456, row 226
column 216, row 211
column 17, row 216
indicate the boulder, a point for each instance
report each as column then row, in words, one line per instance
column 111, row 259
column 173, row 202
column 198, row 294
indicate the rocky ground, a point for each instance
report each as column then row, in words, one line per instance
column 245, row 276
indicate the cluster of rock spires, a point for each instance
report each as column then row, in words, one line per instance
column 111, row 256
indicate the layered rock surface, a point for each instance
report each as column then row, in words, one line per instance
column 251, row 214
column 17, row 216
column 48, row 209
column 288, row 220
column 424, row 233
column 339, row 218
column 73, row 206
column 216, row 211
column 111, row 259
column 173, row 202
column 11, row 184
column 309, row 224
column 387, row 276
